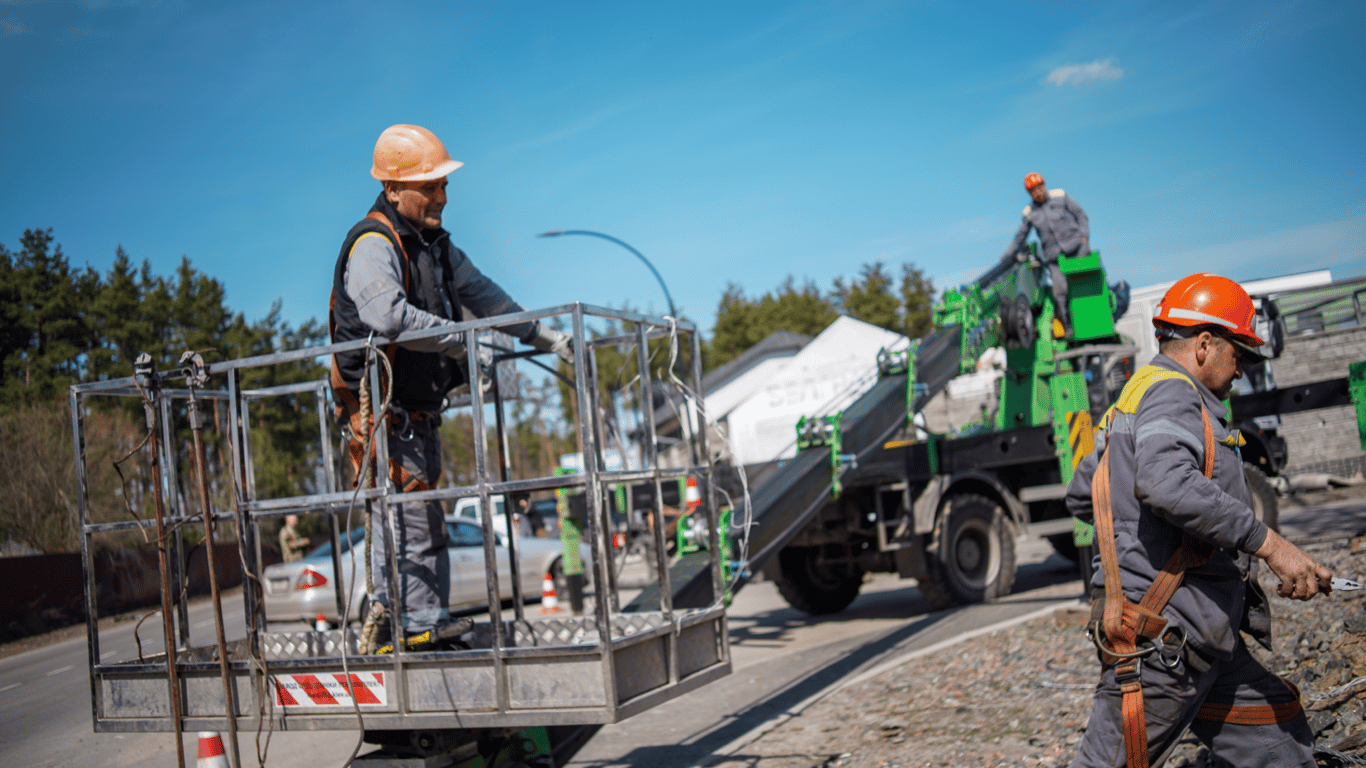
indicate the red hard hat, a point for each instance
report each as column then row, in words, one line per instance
column 1205, row 299
column 1032, row 180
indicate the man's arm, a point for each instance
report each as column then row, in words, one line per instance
column 374, row 281
column 1169, row 453
column 1018, row 241
column 486, row 298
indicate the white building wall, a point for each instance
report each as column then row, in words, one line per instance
column 832, row 371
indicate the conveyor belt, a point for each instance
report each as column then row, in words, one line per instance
column 788, row 501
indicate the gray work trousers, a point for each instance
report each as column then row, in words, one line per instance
column 1171, row 698
column 1059, row 282
column 424, row 564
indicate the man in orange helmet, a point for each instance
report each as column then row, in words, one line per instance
column 397, row 272
column 1176, row 538
column 1062, row 227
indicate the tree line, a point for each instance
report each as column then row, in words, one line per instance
column 875, row 296
column 61, row 325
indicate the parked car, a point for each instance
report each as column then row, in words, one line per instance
column 305, row 588
column 467, row 508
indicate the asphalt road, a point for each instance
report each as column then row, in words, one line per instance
column 781, row 658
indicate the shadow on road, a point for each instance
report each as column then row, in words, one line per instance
column 774, row 704
column 773, row 626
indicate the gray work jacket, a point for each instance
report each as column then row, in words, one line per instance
column 1158, row 490
column 1060, row 222
column 374, row 281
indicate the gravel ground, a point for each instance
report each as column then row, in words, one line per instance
column 1020, row 696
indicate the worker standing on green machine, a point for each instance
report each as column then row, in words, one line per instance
column 1177, row 541
column 1062, row 227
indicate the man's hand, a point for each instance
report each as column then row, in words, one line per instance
column 548, row 339
column 1301, row 577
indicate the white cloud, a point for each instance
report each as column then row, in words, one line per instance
column 1072, row 74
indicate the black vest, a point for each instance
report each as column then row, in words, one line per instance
column 422, row 378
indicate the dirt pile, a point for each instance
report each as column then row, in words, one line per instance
column 1021, row 696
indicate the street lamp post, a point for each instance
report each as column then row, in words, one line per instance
column 557, row 232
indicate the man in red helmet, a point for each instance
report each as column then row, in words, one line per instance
column 1062, row 227
column 1176, row 539
column 397, row 272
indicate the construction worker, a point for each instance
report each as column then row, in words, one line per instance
column 397, row 272
column 1062, row 227
column 292, row 545
column 1176, row 536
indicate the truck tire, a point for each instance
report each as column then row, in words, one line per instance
column 1264, row 500
column 812, row 584
column 975, row 561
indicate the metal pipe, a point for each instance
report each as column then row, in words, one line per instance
column 174, row 512
column 87, row 550
column 585, row 397
column 197, row 375
column 509, row 501
column 502, row 690
column 146, row 369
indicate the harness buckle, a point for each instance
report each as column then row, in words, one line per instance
column 403, row 430
column 1129, row 670
column 1169, row 652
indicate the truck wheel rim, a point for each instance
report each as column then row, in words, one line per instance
column 976, row 557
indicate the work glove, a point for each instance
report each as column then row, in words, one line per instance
column 459, row 353
column 548, row 339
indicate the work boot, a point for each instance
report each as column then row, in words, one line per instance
column 446, row 637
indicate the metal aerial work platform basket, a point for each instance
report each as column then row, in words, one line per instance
column 535, row 670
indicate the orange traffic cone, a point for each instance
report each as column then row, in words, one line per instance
column 321, row 624
column 550, row 603
column 692, row 495
column 211, row 752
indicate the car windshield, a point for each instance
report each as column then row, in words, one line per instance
column 325, row 549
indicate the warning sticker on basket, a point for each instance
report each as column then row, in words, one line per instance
column 331, row 690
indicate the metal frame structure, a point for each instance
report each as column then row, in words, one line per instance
column 539, row 671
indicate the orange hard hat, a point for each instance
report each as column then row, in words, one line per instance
column 411, row 153
column 1032, row 180
column 1205, row 299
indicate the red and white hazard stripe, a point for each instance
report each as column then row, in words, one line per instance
column 329, row 689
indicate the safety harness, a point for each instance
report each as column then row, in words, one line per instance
column 1125, row 632
column 359, row 420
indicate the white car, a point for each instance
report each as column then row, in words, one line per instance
column 305, row 588
column 467, row 508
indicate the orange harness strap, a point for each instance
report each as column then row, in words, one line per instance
column 1123, row 624
column 348, row 405
column 1252, row 714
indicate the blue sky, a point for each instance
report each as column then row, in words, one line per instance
column 728, row 142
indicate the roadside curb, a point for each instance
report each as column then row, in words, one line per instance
column 796, row 710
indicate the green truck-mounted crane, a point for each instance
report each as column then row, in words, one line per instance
column 945, row 508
